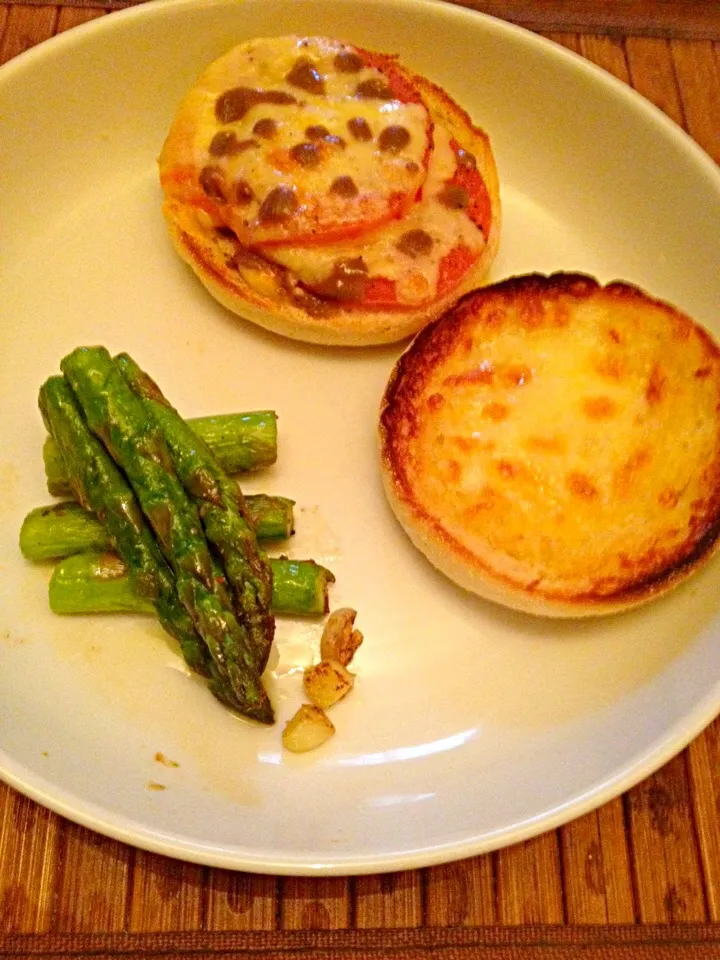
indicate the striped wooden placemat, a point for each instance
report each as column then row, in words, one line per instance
column 640, row 877
column 689, row 19
column 690, row 942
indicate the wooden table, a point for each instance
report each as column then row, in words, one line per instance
column 638, row 877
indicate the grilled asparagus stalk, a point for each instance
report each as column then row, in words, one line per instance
column 119, row 418
column 61, row 529
column 98, row 582
column 226, row 520
column 240, row 441
column 100, row 487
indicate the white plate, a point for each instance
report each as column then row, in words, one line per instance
column 470, row 726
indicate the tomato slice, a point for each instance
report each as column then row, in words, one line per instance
column 413, row 260
column 453, row 267
column 469, row 177
column 402, row 88
column 343, row 155
column 380, row 293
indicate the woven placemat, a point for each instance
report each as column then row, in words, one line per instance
column 687, row 19
column 656, row 942
column 95, row 4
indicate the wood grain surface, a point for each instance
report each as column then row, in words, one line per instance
column 651, row 857
column 689, row 19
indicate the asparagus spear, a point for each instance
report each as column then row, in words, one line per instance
column 225, row 518
column 100, row 486
column 93, row 582
column 240, row 441
column 60, row 529
column 119, row 418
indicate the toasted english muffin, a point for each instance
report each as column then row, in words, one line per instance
column 554, row 445
column 328, row 193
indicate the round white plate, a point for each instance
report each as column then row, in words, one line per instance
column 470, row 726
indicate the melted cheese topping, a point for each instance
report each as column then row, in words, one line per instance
column 575, row 451
column 416, row 278
column 387, row 180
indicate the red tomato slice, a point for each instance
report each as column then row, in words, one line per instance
column 469, row 177
column 453, row 267
column 380, row 292
column 402, row 89
column 294, row 186
column 395, row 206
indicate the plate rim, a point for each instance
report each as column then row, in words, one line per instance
column 137, row 835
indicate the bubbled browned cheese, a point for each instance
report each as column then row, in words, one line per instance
column 327, row 191
column 297, row 114
column 555, row 445
column 408, row 252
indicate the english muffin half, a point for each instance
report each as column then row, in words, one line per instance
column 327, row 192
column 554, row 445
